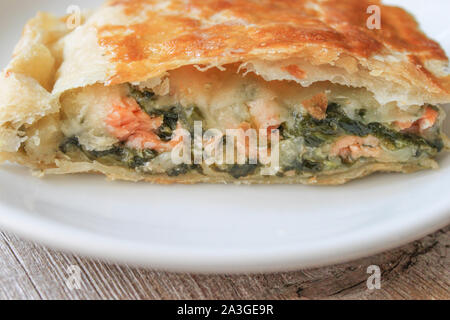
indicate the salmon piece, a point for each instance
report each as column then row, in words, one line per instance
column 149, row 140
column 129, row 123
column 353, row 147
column 317, row 106
column 265, row 113
column 427, row 121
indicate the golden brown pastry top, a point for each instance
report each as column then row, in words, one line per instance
column 236, row 30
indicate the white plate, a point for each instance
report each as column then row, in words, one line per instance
column 221, row 228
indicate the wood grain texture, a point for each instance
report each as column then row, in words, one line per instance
column 419, row 270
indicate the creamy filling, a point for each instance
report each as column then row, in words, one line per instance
column 324, row 127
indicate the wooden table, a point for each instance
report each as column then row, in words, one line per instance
column 417, row 271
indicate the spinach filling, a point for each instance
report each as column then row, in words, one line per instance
column 170, row 120
column 187, row 116
column 171, row 114
column 317, row 133
column 302, row 139
column 237, row 171
column 242, row 171
column 305, row 166
column 183, row 169
column 118, row 155
column 337, row 123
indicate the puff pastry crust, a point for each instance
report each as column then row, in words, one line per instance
column 141, row 43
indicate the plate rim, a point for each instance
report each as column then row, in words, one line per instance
column 383, row 237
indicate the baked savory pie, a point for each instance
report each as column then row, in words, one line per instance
column 117, row 94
